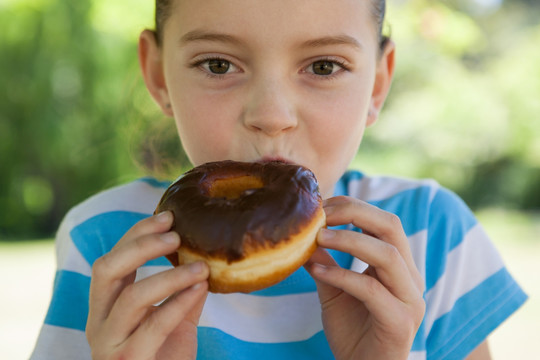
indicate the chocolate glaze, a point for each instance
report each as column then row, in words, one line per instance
column 222, row 227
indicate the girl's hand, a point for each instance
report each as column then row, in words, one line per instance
column 122, row 322
column 376, row 314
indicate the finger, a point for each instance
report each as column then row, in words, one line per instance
column 115, row 270
column 130, row 255
column 372, row 220
column 135, row 300
column 192, row 317
column 375, row 296
column 153, row 332
column 145, row 241
column 323, row 257
column 326, row 291
column 385, row 258
column 158, row 223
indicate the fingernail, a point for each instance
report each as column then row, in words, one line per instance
column 196, row 286
column 163, row 217
column 196, row 267
column 326, row 234
column 329, row 209
column 318, row 268
column 170, row 237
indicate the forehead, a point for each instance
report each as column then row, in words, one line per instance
column 270, row 21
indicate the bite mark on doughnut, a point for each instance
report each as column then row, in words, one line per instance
column 233, row 187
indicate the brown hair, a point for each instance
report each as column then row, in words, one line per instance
column 164, row 8
column 163, row 11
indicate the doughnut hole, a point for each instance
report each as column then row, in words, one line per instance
column 234, row 187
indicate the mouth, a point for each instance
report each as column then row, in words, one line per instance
column 267, row 159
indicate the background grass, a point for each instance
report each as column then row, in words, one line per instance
column 27, row 273
column 27, row 270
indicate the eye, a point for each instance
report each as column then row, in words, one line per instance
column 217, row 66
column 324, row 67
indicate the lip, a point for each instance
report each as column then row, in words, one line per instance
column 267, row 159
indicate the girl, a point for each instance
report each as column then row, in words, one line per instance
column 296, row 81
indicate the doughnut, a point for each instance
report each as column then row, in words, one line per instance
column 254, row 224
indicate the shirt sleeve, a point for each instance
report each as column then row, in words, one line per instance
column 89, row 231
column 469, row 292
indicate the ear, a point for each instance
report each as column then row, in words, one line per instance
column 150, row 60
column 383, row 80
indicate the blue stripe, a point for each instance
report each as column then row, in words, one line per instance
column 449, row 221
column 69, row 304
column 474, row 316
column 411, row 206
column 300, row 281
column 340, row 188
column 215, row 344
column 419, row 343
column 155, row 183
column 98, row 235
column 348, row 177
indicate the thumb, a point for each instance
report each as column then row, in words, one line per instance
column 321, row 257
column 194, row 315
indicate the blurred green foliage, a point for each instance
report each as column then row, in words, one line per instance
column 465, row 104
column 75, row 117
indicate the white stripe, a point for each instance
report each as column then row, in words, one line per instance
column 382, row 187
column 417, row 355
column 418, row 245
column 72, row 259
column 146, row 271
column 358, row 265
column 263, row 319
column 58, row 343
column 68, row 257
column 137, row 196
column 463, row 273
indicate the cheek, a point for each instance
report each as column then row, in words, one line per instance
column 206, row 125
column 340, row 117
column 336, row 130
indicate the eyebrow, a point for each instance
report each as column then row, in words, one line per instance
column 203, row 35
column 332, row 40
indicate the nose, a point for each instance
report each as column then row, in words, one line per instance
column 270, row 108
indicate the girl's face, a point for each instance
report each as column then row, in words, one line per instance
column 253, row 80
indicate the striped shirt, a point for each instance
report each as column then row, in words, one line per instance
column 468, row 292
